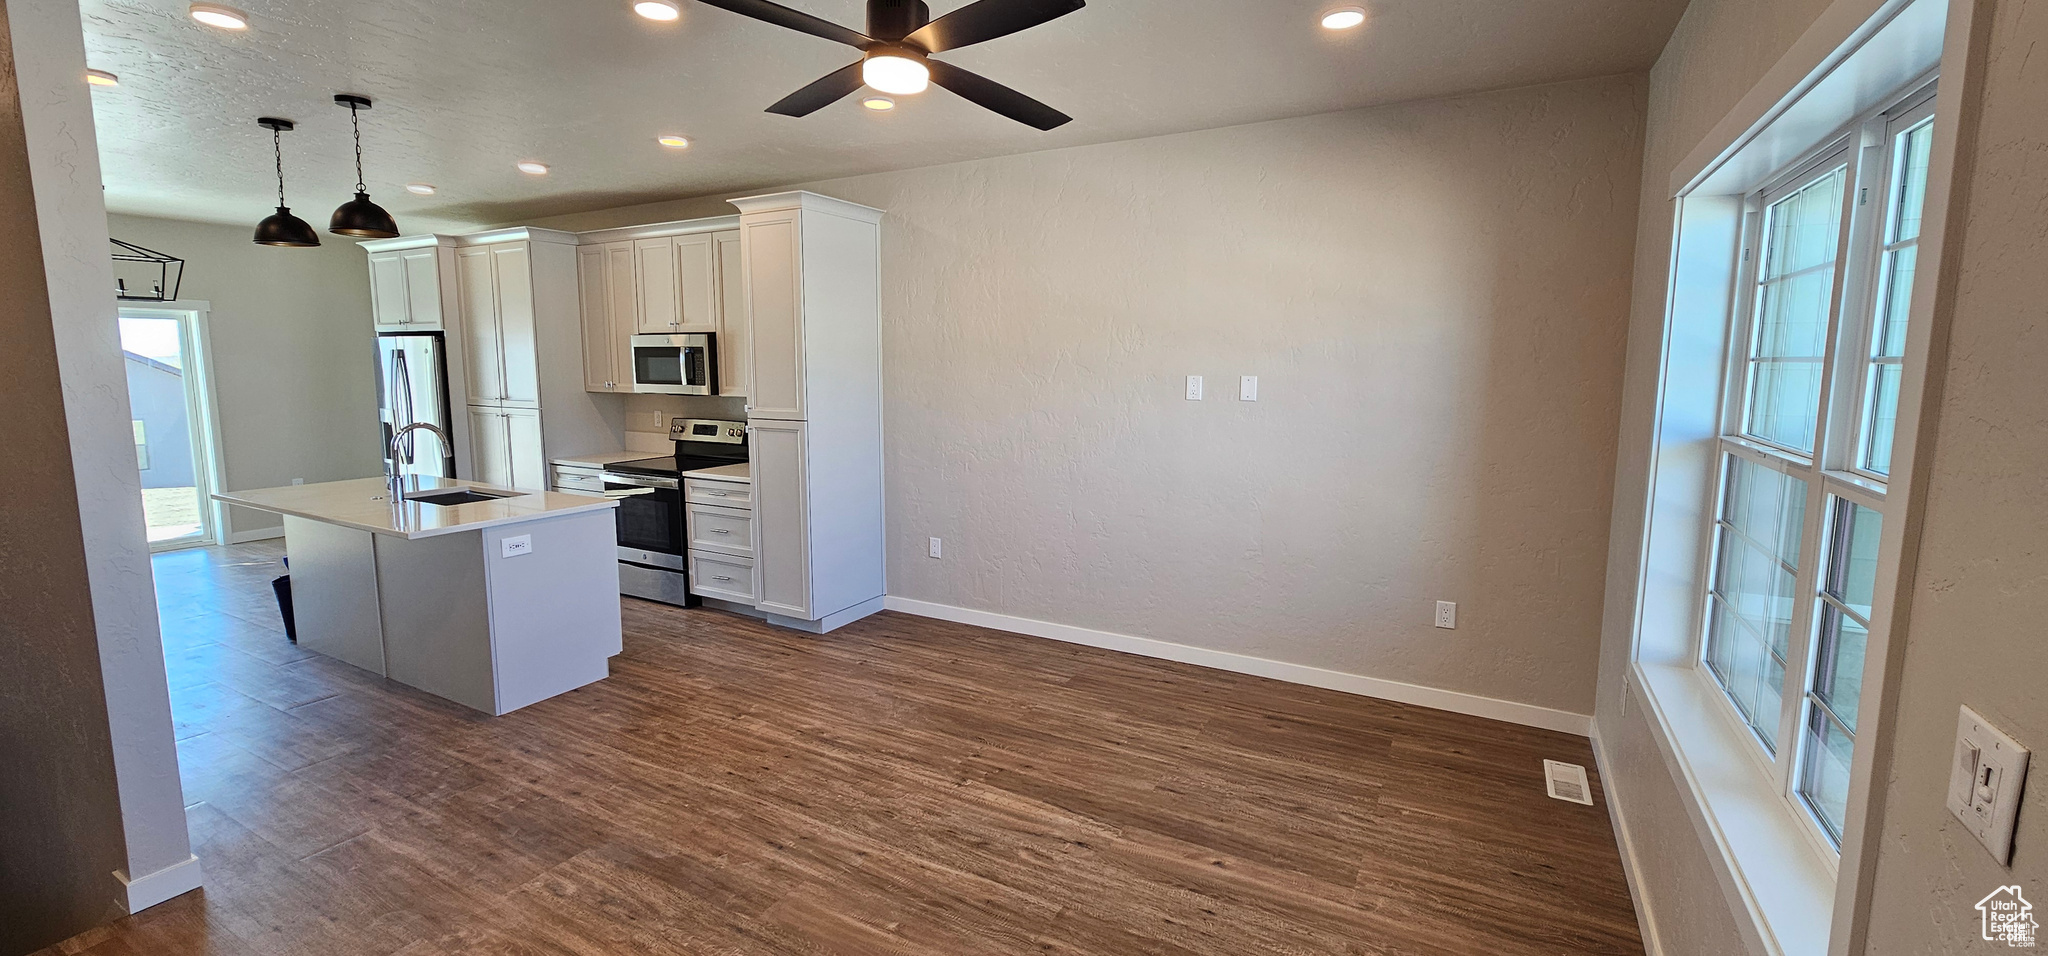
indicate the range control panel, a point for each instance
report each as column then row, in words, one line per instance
column 707, row 429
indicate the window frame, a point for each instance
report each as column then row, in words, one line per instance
column 1868, row 148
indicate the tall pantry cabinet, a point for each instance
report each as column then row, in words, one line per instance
column 810, row 270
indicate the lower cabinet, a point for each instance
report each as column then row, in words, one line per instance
column 782, row 517
column 505, row 447
column 719, row 529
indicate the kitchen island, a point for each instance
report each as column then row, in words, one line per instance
column 491, row 598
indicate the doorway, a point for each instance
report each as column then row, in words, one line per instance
column 171, row 413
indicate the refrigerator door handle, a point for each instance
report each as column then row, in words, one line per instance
column 402, row 378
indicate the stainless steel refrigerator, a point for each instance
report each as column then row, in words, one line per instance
column 413, row 387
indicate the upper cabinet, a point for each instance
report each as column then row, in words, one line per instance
column 405, row 282
column 495, row 285
column 733, row 338
column 657, row 280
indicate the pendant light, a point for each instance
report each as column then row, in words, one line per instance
column 282, row 229
column 360, row 216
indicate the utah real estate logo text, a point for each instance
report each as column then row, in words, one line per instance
column 2008, row 918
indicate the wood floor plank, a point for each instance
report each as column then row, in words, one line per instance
column 900, row 786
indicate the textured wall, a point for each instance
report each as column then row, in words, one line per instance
column 55, row 122
column 1433, row 296
column 59, row 817
column 1719, row 51
column 1981, row 591
column 294, row 355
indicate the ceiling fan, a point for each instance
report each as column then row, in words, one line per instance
column 898, row 45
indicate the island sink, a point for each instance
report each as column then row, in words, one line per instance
column 459, row 496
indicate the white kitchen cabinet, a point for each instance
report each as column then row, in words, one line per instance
column 507, row 448
column 732, row 315
column 601, row 346
column 811, row 279
column 495, row 288
column 695, row 258
column 405, row 283
column 675, row 276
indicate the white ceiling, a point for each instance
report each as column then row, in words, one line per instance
column 464, row 88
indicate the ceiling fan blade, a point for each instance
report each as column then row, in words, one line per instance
column 987, row 20
column 796, row 20
column 823, row 92
column 989, row 94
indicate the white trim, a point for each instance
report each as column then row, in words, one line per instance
column 1631, row 865
column 172, row 881
column 407, row 242
column 805, row 199
column 830, row 622
column 516, row 234
column 659, row 230
column 1528, row 715
column 257, row 534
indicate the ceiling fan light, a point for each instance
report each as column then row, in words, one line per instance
column 661, row 10
column 880, row 104
column 217, row 15
column 895, row 73
column 1343, row 18
column 102, row 78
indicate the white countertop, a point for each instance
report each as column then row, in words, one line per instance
column 740, row 472
column 363, row 504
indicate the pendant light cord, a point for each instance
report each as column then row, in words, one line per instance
column 358, row 124
column 277, row 146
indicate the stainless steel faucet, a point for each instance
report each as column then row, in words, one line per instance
column 396, row 478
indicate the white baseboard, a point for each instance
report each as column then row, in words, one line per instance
column 258, row 534
column 1646, row 920
column 146, row 891
column 1458, row 703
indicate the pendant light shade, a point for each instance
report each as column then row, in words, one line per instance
column 359, row 216
column 282, row 228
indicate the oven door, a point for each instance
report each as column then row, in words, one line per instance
column 650, row 519
column 674, row 364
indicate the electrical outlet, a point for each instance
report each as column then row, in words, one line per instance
column 1194, row 388
column 1247, row 388
column 298, row 481
column 935, row 547
column 1447, row 614
column 659, row 419
column 515, row 546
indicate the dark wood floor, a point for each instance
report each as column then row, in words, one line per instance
column 899, row 786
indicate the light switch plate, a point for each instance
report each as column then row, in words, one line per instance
column 1194, row 388
column 516, row 545
column 1247, row 388
column 1985, row 778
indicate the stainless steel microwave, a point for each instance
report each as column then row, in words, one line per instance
column 675, row 364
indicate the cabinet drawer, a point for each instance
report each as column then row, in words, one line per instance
column 578, row 479
column 726, row 530
column 724, row 494
column 722, row 576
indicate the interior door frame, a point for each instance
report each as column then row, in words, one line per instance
column 202, row 411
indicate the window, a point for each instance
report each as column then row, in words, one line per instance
column 1818, row 340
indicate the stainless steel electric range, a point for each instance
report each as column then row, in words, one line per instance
column 653, row 560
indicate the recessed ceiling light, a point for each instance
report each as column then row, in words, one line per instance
column 420, row 189
column 880, row 104
column 102, row 78
column 673, row 141
column 532, row 168
column 1343, row 18
column 663, row 10
column 216, row 15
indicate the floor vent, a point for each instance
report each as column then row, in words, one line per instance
column 1567, row 781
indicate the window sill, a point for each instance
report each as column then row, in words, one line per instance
column 1764, row 853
